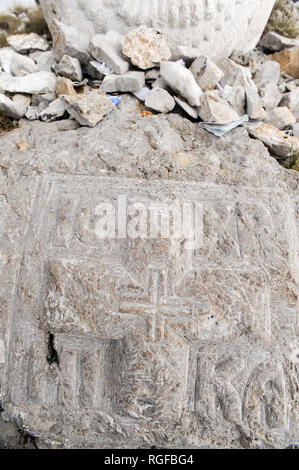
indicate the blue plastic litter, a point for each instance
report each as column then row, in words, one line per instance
column 114, row 99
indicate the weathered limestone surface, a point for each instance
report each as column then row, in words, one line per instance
column 216, row 27
column 158, row 344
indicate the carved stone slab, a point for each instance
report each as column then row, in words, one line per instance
column 152, row 335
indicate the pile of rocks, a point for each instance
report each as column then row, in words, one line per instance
column 78, row 77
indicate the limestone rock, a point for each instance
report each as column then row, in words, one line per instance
column 23, row 99
column 235, row 74
column 190, row 110
column 206, row 73
column 145, row 47
column 67, row 40
column 295, row 128
column 187, row 53
column 46, row 61
column 280, row 117
column 34, row 83
column 55, row 110
column 16, row 64
column 182, row 81
column 216, row 30
column 159, row 100
column 254, row 105
column 70, row 67
column 88, row 109
column 268, row 72
column 280, row 143
column 215, row 109
column 64, row 86
column 270, row 96
column 103, row 51
column 130, row 81
column 218, row 319
column 291, row 100
column 25, row 43
column 161, row 83
column 274, row 42
column 11, row 108
column 289, row 61
column 235, row 97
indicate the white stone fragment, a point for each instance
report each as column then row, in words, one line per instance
column 130, row 81
column 55, row 110
column 182, row 81
column 268, row 72
column 270, row 96
column 46, row 61
column 235, row 74
column 10, row 108
column 23, row 99
column 25, row 43
column 186, row 53
column 280, row 117
column 279, row 142
column 103, row 51
column 159, row 100
column 190, row 110
column 145, row 47
column 142, row 93
column 16, row 64
column 88, row 108
column 254, row 105
column 160, row 83
column 291, row 100
column 214, row 109
column 235, row 97
column 295, row 129
column 206, row 73
column 34, row 83
column 70, row 67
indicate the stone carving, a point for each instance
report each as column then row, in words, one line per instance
column 140, row 337
column 209, row 25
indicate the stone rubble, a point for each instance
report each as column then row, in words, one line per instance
column 274, row 42
column 145, row 47
column 103, row 51
column 64, row 86
column 214, row 109
column 288, row 60
column 16, row 64
column 280, row 117
column 11, row 108
column 254, row 105
column 182, row 81
column 127, row 82
column 33, row 84
column 25, row 43
column 69, row 67
column 270, row 96
column 140, row 62
column 159, row 100
column 88, row 109
column 281, row 144
column 206, row 73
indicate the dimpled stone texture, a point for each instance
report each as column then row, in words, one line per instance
column 216, row 27
column 158, row 344
column 145, row 47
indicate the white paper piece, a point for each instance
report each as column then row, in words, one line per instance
column 219, row 129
